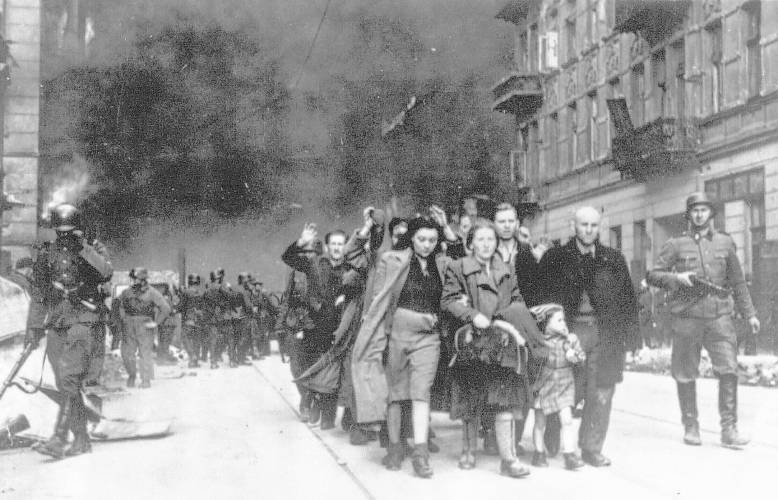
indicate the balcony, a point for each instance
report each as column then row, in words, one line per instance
column 661, row 147
column 653, row 19
column 518, row 94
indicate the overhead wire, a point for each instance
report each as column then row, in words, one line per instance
column 313, row 44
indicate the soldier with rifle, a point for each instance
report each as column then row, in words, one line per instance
column 66, row 278
column 702, row 273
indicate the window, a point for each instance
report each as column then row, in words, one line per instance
column 716, row 92
column 533, row 166
column 659, row 79
column 753, row 58
column 572, row 134
column 534, row 49
column 570, row 38
column 679, row 101
column 637, row 100
column 614, row 92
column 522, row 60
column 552, row 135
column 615, row 237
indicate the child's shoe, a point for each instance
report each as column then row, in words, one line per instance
column 539, row 459
column 572, row 461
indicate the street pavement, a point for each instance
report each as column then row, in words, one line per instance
column 236, row 435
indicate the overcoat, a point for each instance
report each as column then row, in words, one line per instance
column 368, row 375
column 612, row 296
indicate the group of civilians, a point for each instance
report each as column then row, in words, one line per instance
column 476, row 317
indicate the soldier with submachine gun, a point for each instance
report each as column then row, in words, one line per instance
column 702, row 273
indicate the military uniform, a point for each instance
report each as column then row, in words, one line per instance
column 66, row 278
column 702, row 317
column 218, row 318
column 240, row 302
column 193, row 329
column 139, row 307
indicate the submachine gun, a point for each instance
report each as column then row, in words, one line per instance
column 704, row 287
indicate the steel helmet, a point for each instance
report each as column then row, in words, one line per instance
column 243, row 278
column 698, row 198
column 193, row 279
column 65, row 217
column 139, row 273
column 217, row 275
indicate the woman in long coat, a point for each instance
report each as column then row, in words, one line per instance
column 403, row 316
column 480, row 290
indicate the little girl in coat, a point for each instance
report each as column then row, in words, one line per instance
column 555, row 385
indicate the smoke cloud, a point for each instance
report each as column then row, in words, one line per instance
column 196, row 124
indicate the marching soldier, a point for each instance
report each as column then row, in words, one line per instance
column 702, row 274
column 241, row 325
column 66, row 277
column 218, row 315
column 142, row 308
column 191, row 309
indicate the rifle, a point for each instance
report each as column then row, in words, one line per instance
column 8, row 382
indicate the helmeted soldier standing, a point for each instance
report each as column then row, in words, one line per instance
column 67, row 275
column 191, row 308
column 218, row 315
column 240, row 299
column 702, row 274
column 142, row 309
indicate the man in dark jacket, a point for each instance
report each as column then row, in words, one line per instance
column 326, row 297
column 592, row 283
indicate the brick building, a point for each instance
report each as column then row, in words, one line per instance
column 20, row 22
column 628, row 106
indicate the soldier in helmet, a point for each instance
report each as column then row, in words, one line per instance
column 191, row 308
column 142, row 309
column 241, row 325
column 218, row 315
column 66, row 276
column 702, row 274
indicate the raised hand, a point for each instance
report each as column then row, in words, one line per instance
column 308, row 235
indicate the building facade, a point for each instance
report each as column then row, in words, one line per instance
column 20, row 22
column 629, row 106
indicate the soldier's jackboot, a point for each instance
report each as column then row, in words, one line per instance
column 687, row 399
column 728, row 412
column 329, row 409
column 81, row 443
column 55, row 446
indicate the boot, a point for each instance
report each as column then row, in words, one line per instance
column 728, row 412
column 329, row 409
column 81, row 443
column 421, row 461
column 346, row 421
column 55, row 446
column 394, row 456
column 131, row 381
column 687, row 398
column 513, row 468
column 315, row 412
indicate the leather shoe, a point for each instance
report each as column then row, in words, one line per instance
column 539, row 459
column 421, row 462
column 466, row 460
column 572, row 462
column 513, row 468
column 595, row 459
column 394, row 456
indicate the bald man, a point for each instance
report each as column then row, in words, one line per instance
column 592, row 283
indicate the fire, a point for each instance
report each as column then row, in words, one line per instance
column 69, row 187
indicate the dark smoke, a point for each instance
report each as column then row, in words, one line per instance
column 193, row 134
